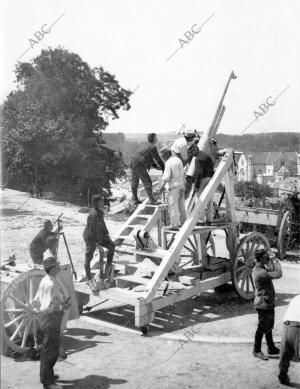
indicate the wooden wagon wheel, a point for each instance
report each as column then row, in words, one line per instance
column 190, row 253
column 284, row 235
column 242, row 269
column 19, row 323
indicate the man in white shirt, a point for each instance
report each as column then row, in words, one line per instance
column 174, row 177
column 290, row 341
column 51, row 303
column 180, row 146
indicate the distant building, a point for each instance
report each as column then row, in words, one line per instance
column 267, row 167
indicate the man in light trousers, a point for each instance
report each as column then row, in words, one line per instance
column 174, row 177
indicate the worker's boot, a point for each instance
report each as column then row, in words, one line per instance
column 108, row 275
column 152, row 200
column 135, row 196
column 272, row 349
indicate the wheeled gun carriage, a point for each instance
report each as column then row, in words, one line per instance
column 157, row 267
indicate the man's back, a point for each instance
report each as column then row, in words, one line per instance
column 174, row 172
column 180, row 146
column 95, row 229
column 39, row 241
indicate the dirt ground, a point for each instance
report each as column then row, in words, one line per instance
column 101, row 356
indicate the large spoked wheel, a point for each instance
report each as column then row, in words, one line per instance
column 19, row 323
column 191, row 251
column 284, row 235
column 242, row 269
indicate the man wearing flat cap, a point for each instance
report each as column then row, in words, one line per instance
column 145, row 157
column 96, row 233
column 51, row 303
column 264, row 272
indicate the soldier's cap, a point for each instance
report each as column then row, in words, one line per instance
column 261, row 254
column 96, row 197
column 49, row 260
column 165, row 150
column 47, row 222
column 189, row 134
column 175, row 148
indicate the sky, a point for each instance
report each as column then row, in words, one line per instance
column 178, row 79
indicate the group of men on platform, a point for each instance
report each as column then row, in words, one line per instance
column 183, row 165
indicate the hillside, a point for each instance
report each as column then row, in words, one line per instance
column 274, row 141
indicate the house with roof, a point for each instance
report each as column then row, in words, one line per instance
column 265, row 166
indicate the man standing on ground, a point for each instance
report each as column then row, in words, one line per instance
column 96, row 233
column 174, row 177
column 264, row 272
column 145, row 157
column 42, row 241
column 290, row 341
column 51, row 303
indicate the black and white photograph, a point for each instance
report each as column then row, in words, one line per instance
column 150, row 194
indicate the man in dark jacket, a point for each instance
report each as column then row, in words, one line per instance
column 204, row 170
column 145, row 158
column 264, row 272
column 95, row 233
column 45, row 239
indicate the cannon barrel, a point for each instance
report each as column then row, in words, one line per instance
column 212, row 129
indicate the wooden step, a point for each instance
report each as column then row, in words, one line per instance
column 201, row 228
column 137, row 226
column 122, row 294
column 188, row 280
column 139, row 270
column 126, row 237
column 128, row 280
column 121, row 250
column 158, row 253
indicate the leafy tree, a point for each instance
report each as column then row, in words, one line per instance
column 52, row 124
column 250, row 189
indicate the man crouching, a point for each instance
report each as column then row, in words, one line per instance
column 51, row 304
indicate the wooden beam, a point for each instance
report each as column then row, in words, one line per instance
column 230, row 213
column 186, row 293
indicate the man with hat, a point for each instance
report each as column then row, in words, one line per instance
column 145, row 158
column 51, row 302
column 96, row 233
column 180, row 146
column 264, row 272
column 174, row 177
column 44, row 240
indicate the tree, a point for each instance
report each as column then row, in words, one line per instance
column 52, row 124
column 250, row 189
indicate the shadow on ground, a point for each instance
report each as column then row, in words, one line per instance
column 86, row 333
column 71, row 344
column 92, row 381
column 9, row 212
column 206, row 308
